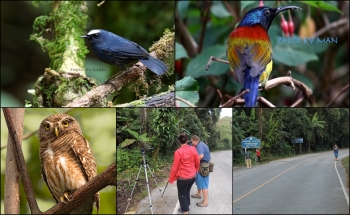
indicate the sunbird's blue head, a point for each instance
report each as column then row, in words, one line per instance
column 263, row 16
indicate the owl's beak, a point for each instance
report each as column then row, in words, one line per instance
column 56, row 131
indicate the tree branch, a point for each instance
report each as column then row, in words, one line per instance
column 165, row 99
column 189, row 42
column 341, row 92
column 329, row 27
column 185, row 101
column 21, row 165
column 12, row 176
column 102, row 180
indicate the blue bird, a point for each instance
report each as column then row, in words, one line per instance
column 249, row 50
column 118, row 51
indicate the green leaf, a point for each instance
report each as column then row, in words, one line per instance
column 182, row 8
column 187, row 89
column 322, row 5
column 196, row 67
column 186, row 84
column 133, row 133
column 143, row 137
column 180, row 51
column 127, row 142
column 219, row 10
column 288, row 56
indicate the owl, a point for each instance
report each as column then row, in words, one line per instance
column 67, row 161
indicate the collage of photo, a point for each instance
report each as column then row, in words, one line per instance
column 174, row 107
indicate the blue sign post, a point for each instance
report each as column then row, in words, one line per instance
column 251, row 142
column 297, row 141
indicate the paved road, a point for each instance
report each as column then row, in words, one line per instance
column 302, row 184
column 220, row 191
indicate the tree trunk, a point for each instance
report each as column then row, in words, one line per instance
column 12, row 176
column 155, row 153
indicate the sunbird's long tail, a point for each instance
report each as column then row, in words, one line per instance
column 251, row 83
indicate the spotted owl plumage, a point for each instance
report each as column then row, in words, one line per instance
column 67, row 161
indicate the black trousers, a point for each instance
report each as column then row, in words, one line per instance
column 183, row 192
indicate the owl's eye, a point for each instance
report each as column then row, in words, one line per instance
column 65, row 124
column 47, row 127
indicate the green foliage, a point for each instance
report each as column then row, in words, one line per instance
column 128, row 159
column 187, row 88
column 196, row 67
column 322, row 5
column 180, row 51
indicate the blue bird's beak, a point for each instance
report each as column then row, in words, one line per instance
column 280, row 9
column 85, row 36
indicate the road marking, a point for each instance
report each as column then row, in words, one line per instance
column 224, row 160
column 176, row 207
column 268, row 181
column 342, row 185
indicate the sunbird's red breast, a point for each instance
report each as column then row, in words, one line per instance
column 249, row 50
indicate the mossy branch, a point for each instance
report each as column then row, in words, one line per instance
column 58, row 33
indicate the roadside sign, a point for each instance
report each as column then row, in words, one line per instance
column 251, row 142
column 297, row 140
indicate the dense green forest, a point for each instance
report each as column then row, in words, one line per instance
column 159, row 129
column 320, row 129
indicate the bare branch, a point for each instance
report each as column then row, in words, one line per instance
column 330, row 26
column 341, row 92
column 236, row 99
column 102, row 180
column 28, row 188
column 185, row 101
column 265, row 101
column 189, row 43
column 298, row 102
column 12, row 176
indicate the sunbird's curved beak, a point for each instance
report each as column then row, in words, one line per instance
column 280, row 9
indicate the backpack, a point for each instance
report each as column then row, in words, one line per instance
column 204, row 169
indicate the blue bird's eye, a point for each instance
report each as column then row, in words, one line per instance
column 95, row 35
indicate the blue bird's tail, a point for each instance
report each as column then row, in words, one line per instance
column 252, row 84
column 155, row 65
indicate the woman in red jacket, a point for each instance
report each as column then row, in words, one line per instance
column 184, row 169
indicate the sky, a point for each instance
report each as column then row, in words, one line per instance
column 226, row 112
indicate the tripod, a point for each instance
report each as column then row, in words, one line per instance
column 145, row 164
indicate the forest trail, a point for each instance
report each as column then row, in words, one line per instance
column 220, row 191
column 302, row 184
